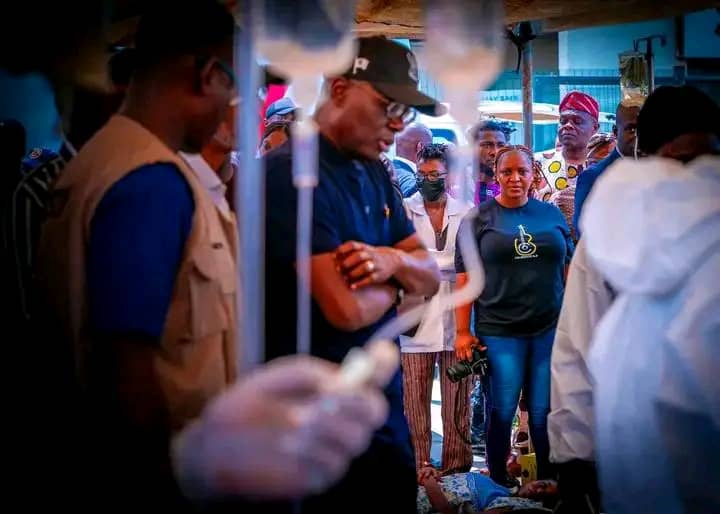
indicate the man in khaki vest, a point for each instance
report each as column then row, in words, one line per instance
column 136, row 263
column 137, row 272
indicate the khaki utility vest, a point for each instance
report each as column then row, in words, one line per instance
column 196, row 356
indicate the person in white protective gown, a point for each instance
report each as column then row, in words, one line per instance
column 570, row 422
column 655, row 352
column 637, row 344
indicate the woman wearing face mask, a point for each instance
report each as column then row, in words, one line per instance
column 525, row 246
column 436, row 217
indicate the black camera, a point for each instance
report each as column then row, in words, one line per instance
column 477, row 366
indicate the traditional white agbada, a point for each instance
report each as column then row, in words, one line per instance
column 571, row 420
column 652, row 229
column 436, row 332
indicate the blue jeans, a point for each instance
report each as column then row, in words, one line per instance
column 517, row 362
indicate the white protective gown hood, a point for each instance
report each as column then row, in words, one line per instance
column 652, row 229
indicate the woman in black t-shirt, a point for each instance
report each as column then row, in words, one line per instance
column 525, row 246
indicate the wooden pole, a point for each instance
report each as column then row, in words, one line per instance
column 527, row 94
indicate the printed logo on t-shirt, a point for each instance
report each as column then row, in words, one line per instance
column 524, row 247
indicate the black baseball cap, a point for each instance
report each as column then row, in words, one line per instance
column 392, row 70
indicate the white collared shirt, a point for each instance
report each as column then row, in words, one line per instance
column 433, row 335
column 209, row 180
column 571, row 419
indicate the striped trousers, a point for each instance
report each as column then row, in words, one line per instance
column 418, row 370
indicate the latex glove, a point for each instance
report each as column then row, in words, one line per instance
column 283, row 432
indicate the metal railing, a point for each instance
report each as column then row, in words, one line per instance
column 550, row 87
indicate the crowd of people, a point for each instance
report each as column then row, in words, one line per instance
column 594, row 330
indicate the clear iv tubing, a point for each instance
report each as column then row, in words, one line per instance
column 305, row 69
column 471, row 258
column 463, row 60
column 305, row 178
column 250, row 201
column 304, row 142
column 463, row 102
column 304, row 170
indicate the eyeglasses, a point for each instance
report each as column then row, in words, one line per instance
column 228, row 71
column 393, row 110
column 201, row 61
column 431, row 176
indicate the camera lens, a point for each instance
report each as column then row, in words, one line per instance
column 458, row 371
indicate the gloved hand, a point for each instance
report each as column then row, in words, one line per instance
column 282, row 432
column 578, row 488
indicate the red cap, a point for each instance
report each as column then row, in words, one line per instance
column 577, row 101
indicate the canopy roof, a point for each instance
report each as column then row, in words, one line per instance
column 404, row 18
column 48, row 36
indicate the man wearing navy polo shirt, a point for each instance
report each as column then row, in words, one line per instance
column 625, row 125
column 365, row 251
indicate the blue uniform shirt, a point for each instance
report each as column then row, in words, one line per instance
column 353, row 201
column 406, row 178
column 137, row 238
